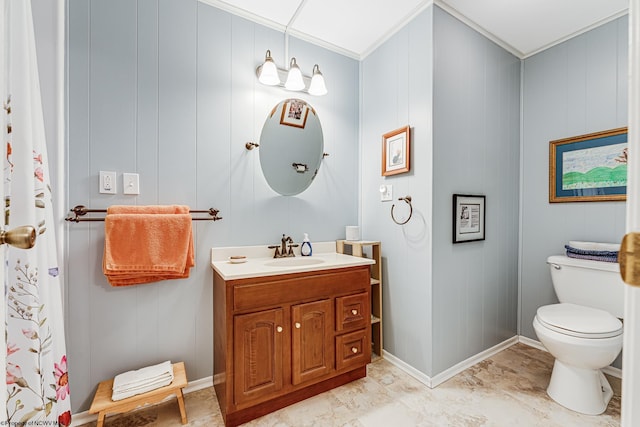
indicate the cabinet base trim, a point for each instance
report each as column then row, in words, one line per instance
column 242, row 416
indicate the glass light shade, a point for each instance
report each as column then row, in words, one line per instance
column 268, row 72
column 294, row 77
column 317, row 86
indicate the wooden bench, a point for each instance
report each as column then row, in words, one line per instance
column 102, row 403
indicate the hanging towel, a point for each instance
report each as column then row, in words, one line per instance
column 146, row 244
column 142, row 380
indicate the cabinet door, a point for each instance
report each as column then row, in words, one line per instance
column 258, row 355
column 312, row 340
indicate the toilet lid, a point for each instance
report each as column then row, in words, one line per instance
column 579, row 321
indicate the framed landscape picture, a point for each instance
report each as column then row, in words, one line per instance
column 589, row 168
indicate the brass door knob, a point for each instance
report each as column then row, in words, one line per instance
column 23, row 237
column 629, row 259
column 298, row 325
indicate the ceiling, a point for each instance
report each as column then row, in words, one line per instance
column 356, row 27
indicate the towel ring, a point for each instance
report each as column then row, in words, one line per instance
column 407, row 199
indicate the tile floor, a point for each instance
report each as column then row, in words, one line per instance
column 507, row 390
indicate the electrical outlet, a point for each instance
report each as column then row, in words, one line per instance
column 107, row 183
column 131, row 183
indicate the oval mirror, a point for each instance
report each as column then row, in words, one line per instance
column 291, row 147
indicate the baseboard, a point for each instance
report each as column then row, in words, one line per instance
column 609, row 370
column 451, row 372
column 532, row 343
column 613, row 371
column 400, row 364
column 198, row 385
column 467, row 363
column 85, row 417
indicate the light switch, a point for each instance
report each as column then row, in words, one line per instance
column 107, row 182
column 131, row 183
column 386, row 192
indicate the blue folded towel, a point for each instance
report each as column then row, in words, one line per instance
column 605, row 256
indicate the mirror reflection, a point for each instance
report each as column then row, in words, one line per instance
column 291, row 147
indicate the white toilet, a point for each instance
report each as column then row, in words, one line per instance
column 583, row 332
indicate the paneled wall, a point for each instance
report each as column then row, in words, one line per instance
column 167, row 89
column 571, row 89
column 476, row 133
column 460, row 94
column 397, row 91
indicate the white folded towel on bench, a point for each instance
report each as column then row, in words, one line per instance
column 142, row 380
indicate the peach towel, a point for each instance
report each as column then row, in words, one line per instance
column 146, row 244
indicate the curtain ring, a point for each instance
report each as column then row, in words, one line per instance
column 407, row 199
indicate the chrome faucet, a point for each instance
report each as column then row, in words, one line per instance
column 281, row 251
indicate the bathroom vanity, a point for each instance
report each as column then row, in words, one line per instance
column 288, row 329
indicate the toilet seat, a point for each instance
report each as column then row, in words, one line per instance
column 579, row 321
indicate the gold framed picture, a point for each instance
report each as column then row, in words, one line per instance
column 396, row 148
column 589, row 168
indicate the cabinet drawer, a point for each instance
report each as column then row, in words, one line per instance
column 352, row 312
column 353, row 349
column 276, row 290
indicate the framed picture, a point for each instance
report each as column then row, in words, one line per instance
column 294, row 113
column 395, row 151
column 589, row 168
column 468, row 218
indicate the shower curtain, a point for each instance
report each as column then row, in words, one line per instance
column 37, row 388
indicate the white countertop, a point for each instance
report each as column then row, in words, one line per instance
column 260, row 261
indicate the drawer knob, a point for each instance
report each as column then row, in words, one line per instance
column 354, row 311
column 297, row 325
column 279, row 329
column 354, row 350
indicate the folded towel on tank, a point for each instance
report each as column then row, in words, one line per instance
column 146, row 244
column 594, row 255
column 594, row 246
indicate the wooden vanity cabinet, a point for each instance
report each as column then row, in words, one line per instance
column 281, row 339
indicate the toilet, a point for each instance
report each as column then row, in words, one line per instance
column 583, row 332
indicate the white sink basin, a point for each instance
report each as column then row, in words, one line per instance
column 293, row 262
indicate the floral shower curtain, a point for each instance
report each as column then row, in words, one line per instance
column 36, row 363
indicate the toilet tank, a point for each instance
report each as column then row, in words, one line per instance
column 594, row 284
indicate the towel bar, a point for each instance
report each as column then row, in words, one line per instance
column 80, row 211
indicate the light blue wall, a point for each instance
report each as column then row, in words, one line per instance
column 575, row 88
column 476, row 133
column 460, row 94
column 167, row 89
column 397, row 90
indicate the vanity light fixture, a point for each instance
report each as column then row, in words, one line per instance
column 294, row 77
column 269, row 74
column 317, row 86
